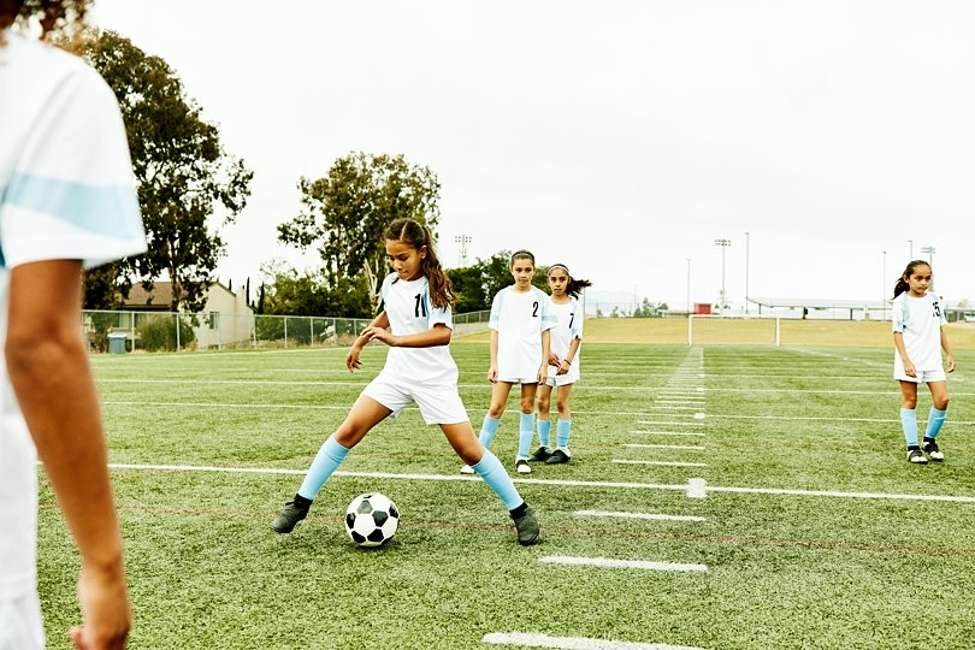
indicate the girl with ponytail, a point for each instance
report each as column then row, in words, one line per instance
column 416, row 324
column 919, row 338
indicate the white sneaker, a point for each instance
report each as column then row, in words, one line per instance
column 522, row 466
column 466, row 469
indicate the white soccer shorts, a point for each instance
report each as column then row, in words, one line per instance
column 21, row 627
column 923, row 376
column 438, row 404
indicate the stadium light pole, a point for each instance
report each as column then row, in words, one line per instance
column 688, row 286
column 747, row 246
column 930, row 250
column 883, row 289
column 723, row 244
column 463, row 240
column 910, row 244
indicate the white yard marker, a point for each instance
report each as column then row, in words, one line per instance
column 697, row 488
column 668, row 433
column 648, row 516
column 633, row 445
column 672, row 408
column 535, row 640
column 608, row 563
column 673, row 424
column 699, row 416
column 658, row 463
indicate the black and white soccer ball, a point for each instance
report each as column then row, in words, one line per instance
column 371, row 519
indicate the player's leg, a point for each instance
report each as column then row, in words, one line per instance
column 936, row 419
column 364, row 415
column 489, row 427
column 526, row 428
column 564, row 429
column 909, row 422
column 461, row 437
column 544, row 424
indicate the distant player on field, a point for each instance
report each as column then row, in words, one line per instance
column 563, row 364
column 67, row 200
column 520, row 340
column 919, row 338
column 416, row 324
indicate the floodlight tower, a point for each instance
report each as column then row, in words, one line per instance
column 723, row 244
column 930, row 250
column 688, row 286
column 747, row 246
column 883, row 284
column 463, row 240
column 910, row 245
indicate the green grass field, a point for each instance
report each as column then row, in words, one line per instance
column 815, row 565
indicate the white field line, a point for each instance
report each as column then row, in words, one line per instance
column 244, row 405
column 821, row 391
column 659, row 463
column 697, row 488
column 689, row 400
column 648, row 516
column 673, row 408
column 669, row 433
column 796, row 418
column 535, row 640
column 634, row 445
column 608, row 563
column 672, row 424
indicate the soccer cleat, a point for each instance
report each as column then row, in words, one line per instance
column 522, row 466
column 930, row 447
column 558, row 457
column 466, row 469
column 915, row 457
column 541, row 455
column 289, row 517
column 527, row 527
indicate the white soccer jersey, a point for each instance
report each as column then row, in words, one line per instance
column 520, row 317
column 920, row 321
column 568, row 327
column 407, row 304
column 66, row 192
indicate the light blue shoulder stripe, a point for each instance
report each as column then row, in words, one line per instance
column 112, row 211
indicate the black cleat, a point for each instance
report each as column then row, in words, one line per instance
column 529, row 532
column 930, row 447
column 289, row 517
column 541, row 455
column 558, row 457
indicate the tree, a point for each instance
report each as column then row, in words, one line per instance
column 288, row 292
column 184, row 175
column 346, row 213
column 476, row 285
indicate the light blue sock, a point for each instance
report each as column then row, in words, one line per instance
column 545, row 432
column 490, row 470
column 526, row 432
column 329, row 457
column 936, row 420
column 909, row 423
column 488, row 430
column 562, row 433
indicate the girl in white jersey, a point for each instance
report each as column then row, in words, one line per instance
column 919, row 338
column 563, row 364
column 416, row 324
column 520, row 339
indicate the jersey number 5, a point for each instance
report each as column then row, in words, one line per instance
column 420, row 306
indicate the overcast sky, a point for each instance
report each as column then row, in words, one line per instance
column 618, row 137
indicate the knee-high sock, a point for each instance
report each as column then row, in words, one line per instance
column 526, row 431
column 545, row 432
column 488, row 430
column 490, row 470
column 562, row 433
column 909, row 423
column 936, row 419
column 329, row 457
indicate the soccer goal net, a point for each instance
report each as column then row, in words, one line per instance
column 733, row 330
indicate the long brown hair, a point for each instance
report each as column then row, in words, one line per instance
column 575, row 285
column 52, row 14
column 902, row 283
column 418, row 236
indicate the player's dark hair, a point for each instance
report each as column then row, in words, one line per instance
column 521, row 255
column 51, row 14
column 418, row 236
column 902, row 283
column 574, row 286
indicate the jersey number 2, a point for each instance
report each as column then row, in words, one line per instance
column 535, row 309
column 420, row 306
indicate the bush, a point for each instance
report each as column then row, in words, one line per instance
column 159, row 333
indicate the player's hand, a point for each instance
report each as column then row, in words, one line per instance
column 352, row 359
column 492, row 375
column 380, row 334
column 909, row 369
column 105, row 611
column 543, row 374
column 564, row 367
column 950, row 362
column 553, row 360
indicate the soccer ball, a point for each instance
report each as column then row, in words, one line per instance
column 371, row 519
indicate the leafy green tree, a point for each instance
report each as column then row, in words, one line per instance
column 476, row 284
column 346, row 212
column 184, row 175
column 288, row 292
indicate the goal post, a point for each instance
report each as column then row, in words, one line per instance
column 733, row 330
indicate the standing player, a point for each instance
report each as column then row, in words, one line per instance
column 67, row 200
column 919, row 337
column 416, row 324
column 563, row 368
column 520, row 340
